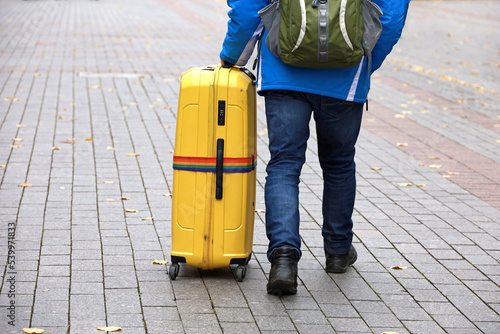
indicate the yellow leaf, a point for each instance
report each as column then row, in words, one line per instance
column 33, row 331
column 16, row 146
column 421, row 165
column 147, row 218
column 111, row 90
column 37, row 74
column 443, row 108
column 168, row 195
column 110, row 199
column 108, row 182
column 17, row 139
column 399, row 268
column 401, row 144
column 497, row 140
column 89, row 139
column 461, row 100
column 375, row 168
column 399, row 116
column 166, row 107
column 452, row 173
column 62, row 188
column 168, row 80
column 21, row 125
column 168, row 126
column 172, row 152
column 405, row 184
column 131, row 211
column 390, row 333
column 496, row 125
column 56, row 148
column 109, row 329
column 160, row 262
column 133, row 154
column 25, row 185
column 61, row 117
column 446, row 176
column 434, row 158
column 420, row 185
column 406, row 112
column 110, row 148
column 124, row 198
column 124, row 107
column 370, row 120
column 260, row 211
column 2, row 166
column 435, row 166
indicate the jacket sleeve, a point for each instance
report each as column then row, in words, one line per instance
column 393, row 21
column 244, row 28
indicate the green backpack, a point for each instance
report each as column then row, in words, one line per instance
column 321, row 33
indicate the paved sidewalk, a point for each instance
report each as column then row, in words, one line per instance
column 88, row 98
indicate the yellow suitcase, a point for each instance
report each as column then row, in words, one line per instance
column 214, row 170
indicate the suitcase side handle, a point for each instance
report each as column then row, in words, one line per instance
column 219, row 168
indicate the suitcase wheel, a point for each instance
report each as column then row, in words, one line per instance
column 173, row 271
column 241, row 272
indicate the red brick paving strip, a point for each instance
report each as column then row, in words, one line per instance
column 441, row 102
column 477, row 174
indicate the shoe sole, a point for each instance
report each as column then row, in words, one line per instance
column 280, row 288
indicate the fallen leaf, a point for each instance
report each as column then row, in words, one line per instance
column 168, row 195
column 496, row 125
column 133, row 154
column 425, row 111
column 45, row 290
column 420, row 185
column 406, row 112
column 461, row 100
column 33, row 330
column 69, row 141
column 17, row 139
column 109, row 329
column 110, row 148
column 435, row 166
column 166, row 107
column 446, row 176
column 147, row 218
column 108, row 182
column 399, row 116
column 37, row 74
column 443, row 108
column 168, row 80
column 452, row 173
column 124, row 198
column 2, row 166
column 125, row 108
column 434, row 158
column 399, row 268
column 16, row 146
column 21, row 125
column 421, row 165
column 111, row 90
column 405, row 184
column 131, row 211
column 168, row 126
column 401, row 144
column 497, row 140
column 62, row 188
column 260, row 211
column 390, row 333
column 172, row 152
column 25, row 185
column 61, row 117
column 56, row 148
column 160, row 262
column 110, row 199
column 89, row 139
column 376, row 168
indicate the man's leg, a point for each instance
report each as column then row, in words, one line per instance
column 288, row 115
column 338, row 124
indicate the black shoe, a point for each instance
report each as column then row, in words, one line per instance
column 339, row 263
column 283, row 274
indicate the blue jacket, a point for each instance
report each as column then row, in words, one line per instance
column 351, row 84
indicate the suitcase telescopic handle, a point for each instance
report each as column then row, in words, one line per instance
column 219, row 168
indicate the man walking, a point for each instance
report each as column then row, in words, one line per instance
column 335, row 98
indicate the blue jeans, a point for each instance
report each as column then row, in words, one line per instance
column 337, row 126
